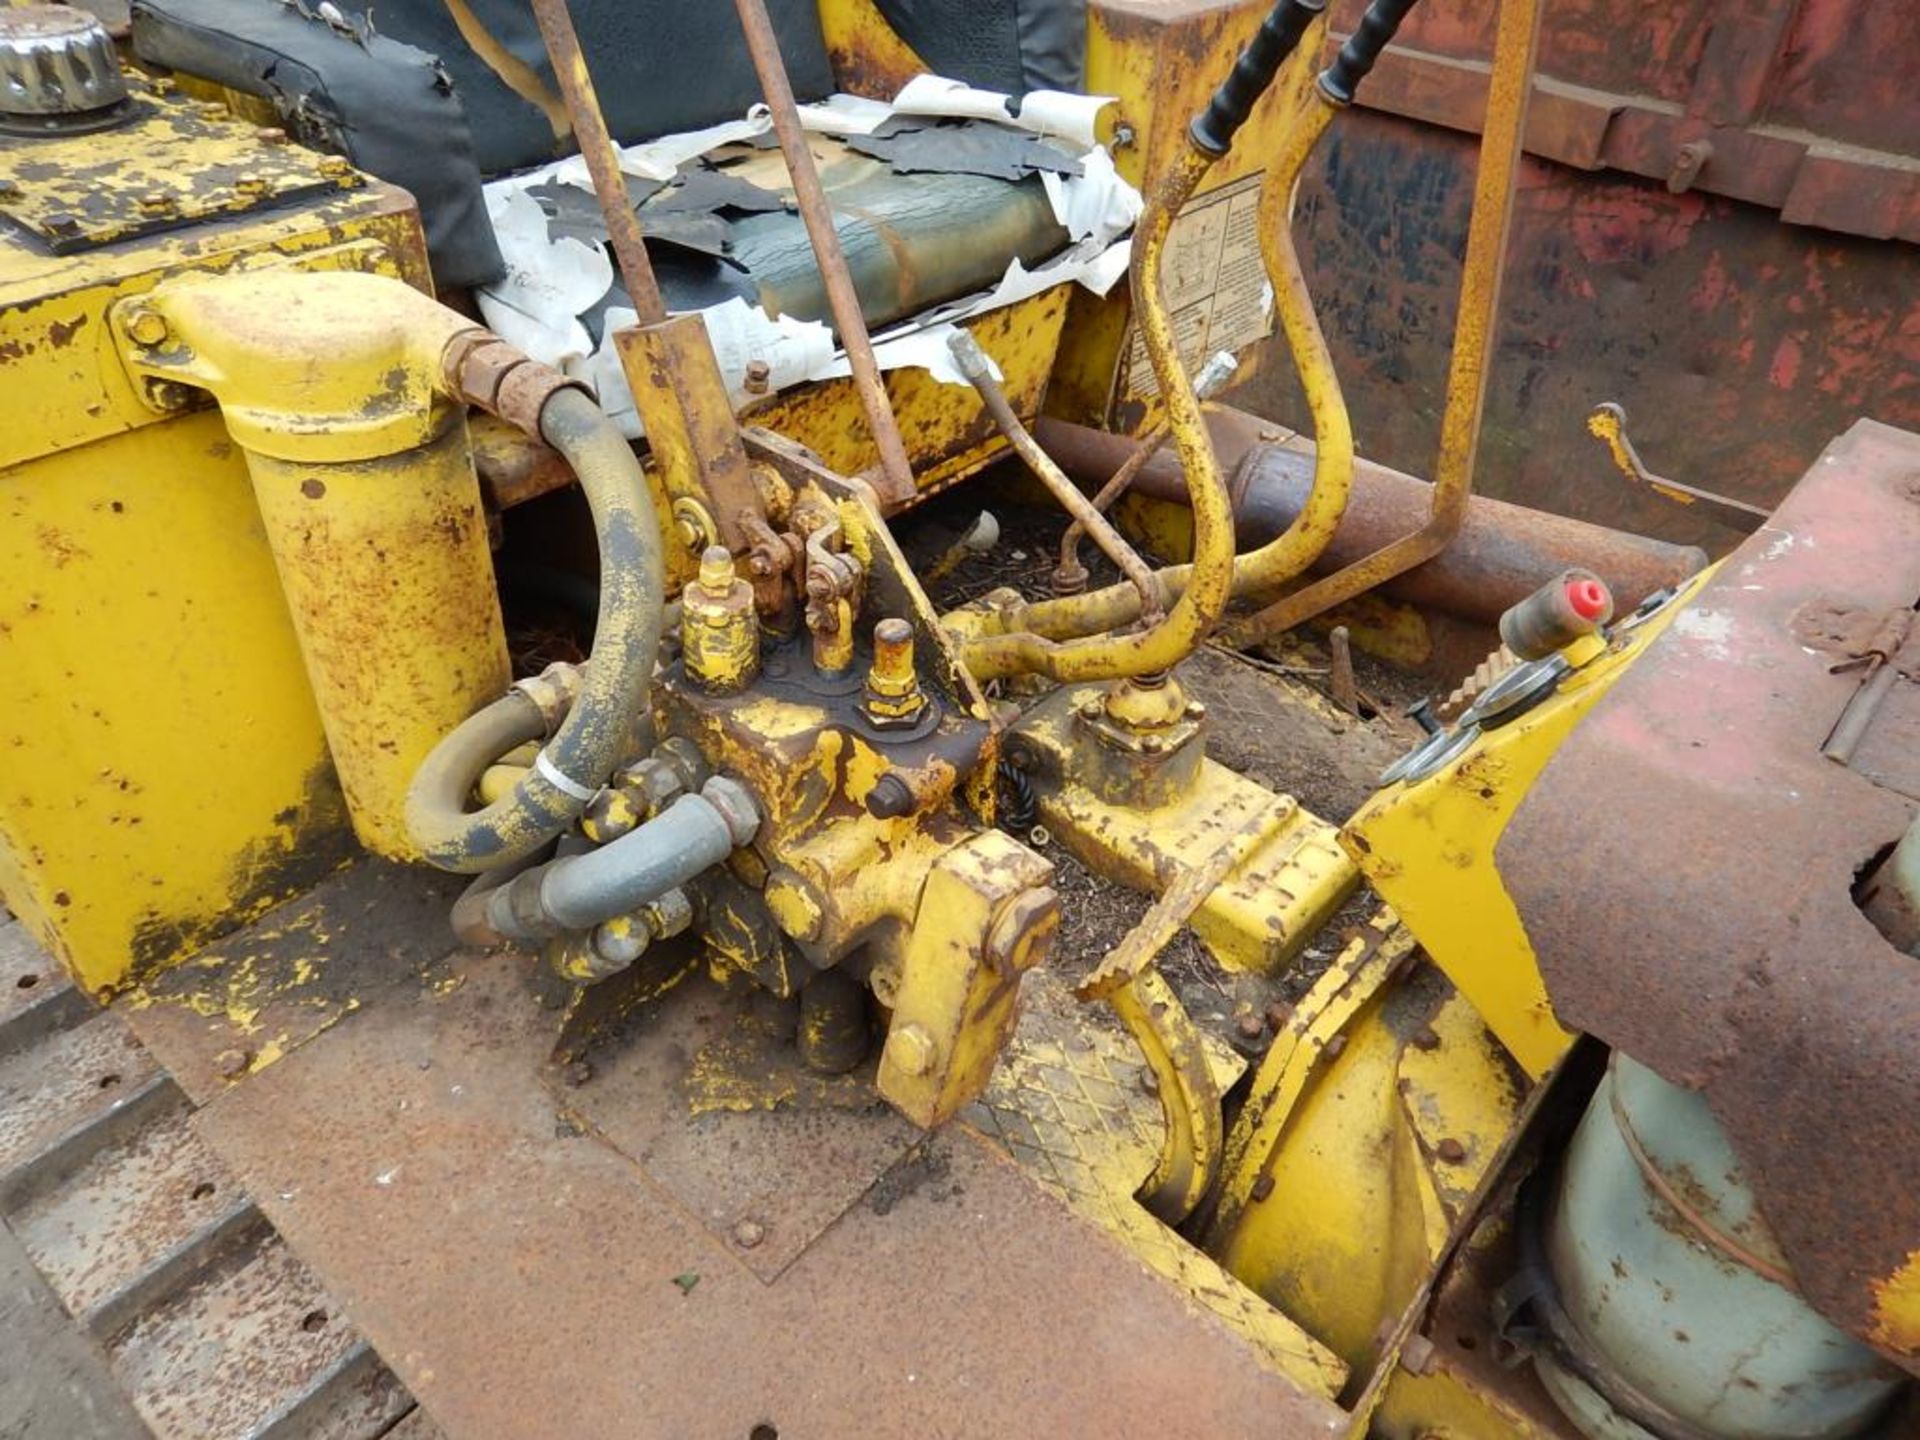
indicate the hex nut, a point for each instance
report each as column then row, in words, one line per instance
column 147, row 327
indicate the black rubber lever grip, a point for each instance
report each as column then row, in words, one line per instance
column 1356, row 58
column 1213, row 129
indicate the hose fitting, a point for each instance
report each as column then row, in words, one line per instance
column 579, row 892
column 598, row 726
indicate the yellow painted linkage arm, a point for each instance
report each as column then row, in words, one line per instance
column 1203, row 599
column 1288, row 554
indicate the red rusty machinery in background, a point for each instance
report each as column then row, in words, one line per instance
column 1714, row 227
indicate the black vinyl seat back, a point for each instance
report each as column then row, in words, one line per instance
column 1009, row 45
column 660, row 66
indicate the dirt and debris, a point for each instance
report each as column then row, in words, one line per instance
column 927, row 1167
column 1270, row 720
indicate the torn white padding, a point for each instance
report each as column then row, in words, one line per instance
column 1058, row 113
column 653, row 159
column 1095, row 204
column 846, row 115
column 551, row 283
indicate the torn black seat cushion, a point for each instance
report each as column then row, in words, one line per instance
column 913, row 240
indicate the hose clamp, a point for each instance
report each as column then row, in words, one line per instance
column 551, row 773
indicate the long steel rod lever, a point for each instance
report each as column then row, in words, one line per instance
column 896, row 470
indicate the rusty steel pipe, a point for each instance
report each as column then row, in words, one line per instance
column 1070, row 576
column 974, row 364
column 895, row 482
column 1501, row 554
column 1515, row 41
column 602, row 157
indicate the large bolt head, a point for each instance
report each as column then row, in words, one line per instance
column 911, row 1050
column 147, row 327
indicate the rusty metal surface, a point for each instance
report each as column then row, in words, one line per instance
column 67, row 1085
column 191, row 164
column 1807, row 108
column 517, row 1270
column 1740, row 345
column 1685, row 868
column 1501, row 555
column 1885, row 753
column 148, row 1207
column 36, row 997
column 252, row 998
column 725, row 1120
column 281, row 1342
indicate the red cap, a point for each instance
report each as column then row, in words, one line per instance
column 1589, row 598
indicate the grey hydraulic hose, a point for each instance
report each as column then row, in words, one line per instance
column 580, row 891
column 589, row 742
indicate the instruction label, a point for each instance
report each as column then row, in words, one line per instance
column 1215, row 284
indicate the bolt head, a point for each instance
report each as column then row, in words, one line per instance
column 1450, row 1151
column 748, row 1234
column 147, row 327
column 232, row 1064
column 911, row 1050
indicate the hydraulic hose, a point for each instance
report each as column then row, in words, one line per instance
column 576, row 892
column 589, row 742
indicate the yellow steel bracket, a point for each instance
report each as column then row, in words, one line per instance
column 986, row 917
column 1284, row 885
column 1428, row 847
column 1354, row 978
column 1189, row 1100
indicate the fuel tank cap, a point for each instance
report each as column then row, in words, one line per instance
column 59, row 73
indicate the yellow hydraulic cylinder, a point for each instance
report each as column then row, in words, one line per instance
column 366, row 489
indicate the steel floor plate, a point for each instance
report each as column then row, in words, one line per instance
column 526, row 1278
